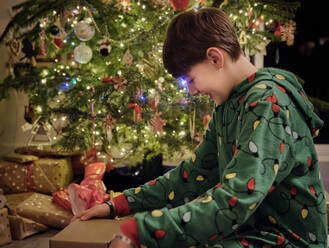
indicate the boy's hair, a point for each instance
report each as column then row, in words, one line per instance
column 191, row 33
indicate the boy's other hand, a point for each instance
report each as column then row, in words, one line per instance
column 99, row 211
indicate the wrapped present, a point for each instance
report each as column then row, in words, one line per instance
column 13, row 200
column 45, row 175
column 21, row 227
column 89, row 193
column 40, row 208
column 49, row 152
column 3, row 199
column 5, row 235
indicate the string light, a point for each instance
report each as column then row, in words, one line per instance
column 43, row 81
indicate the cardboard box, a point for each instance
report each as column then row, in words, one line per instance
column 5, row 235
column 94, row 233
column 21, row 227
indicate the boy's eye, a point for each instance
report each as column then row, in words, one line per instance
column 191, row 81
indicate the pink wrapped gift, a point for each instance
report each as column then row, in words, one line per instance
column 89, row 193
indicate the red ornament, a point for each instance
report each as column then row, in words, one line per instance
column 185, row 175
column 312, row 189
column 293, row 191
column 282, row 89
column 180, row 4
column 213, row 237
column 241, row 99
column 309, row 162
column 251, row 184
column 232, row 201
column 280, row 240
column 282, row 147
column 244, row 242
column 159, row 234
column 151, row 183
column 251, row 77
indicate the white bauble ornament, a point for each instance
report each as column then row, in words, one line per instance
column 84, row 31
column 83, row 53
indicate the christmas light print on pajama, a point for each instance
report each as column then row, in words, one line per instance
column 253, row 182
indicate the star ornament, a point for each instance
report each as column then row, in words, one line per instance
column 123, row 5
column 157, row 122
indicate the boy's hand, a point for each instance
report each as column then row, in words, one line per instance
column 101, row 210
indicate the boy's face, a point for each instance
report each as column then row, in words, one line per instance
column 206, row 78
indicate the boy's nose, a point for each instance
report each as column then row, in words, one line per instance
column 192, row 90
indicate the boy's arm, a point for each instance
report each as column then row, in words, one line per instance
column 179, row 185
column 259, row 163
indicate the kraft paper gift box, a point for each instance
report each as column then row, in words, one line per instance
column 94, row 233
column 41, row 208
column 5, row 235
column 21, row 227
column 24, row 173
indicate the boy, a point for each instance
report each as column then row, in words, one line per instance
column 254, row 181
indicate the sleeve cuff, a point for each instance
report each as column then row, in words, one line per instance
column 130, row 229
column 121, row 205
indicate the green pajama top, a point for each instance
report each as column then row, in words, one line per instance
column 254, row 180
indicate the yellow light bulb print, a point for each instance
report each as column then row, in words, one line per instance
column 252, row 206
column 272, row 219
column 157, row 213
column 171, row 195
column 279, row 76
column 304, row 212
column 137, row 190
column 230, row 176
column 256, row 123
column 287, row 113
column 199, row 178
column 208, row 199
column 276, row 168
column 261, row 86
column 316, row 133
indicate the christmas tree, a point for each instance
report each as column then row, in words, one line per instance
column 93, row 71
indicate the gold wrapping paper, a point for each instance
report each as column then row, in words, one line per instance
column 21, row 227
column 45, row 175
column 5, row 235
column 13, row 200
column 40, row 208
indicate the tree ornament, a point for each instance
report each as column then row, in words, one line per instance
column 287, row 32
column 180, row 4
column 104, row 48
column 127, row 59
column 120, row 83
column 83, row 53
column 243, row 38
column 58, row 42
column 157, row 123
column 123, row 5
column 137, row 111
column 54, row 30
column 15, row 47
column 161, row 4
column 84, row 31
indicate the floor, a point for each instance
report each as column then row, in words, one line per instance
column 42, row 240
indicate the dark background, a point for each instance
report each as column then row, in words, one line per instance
column 308, row 57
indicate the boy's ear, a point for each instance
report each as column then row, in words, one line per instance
column 215, row 56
